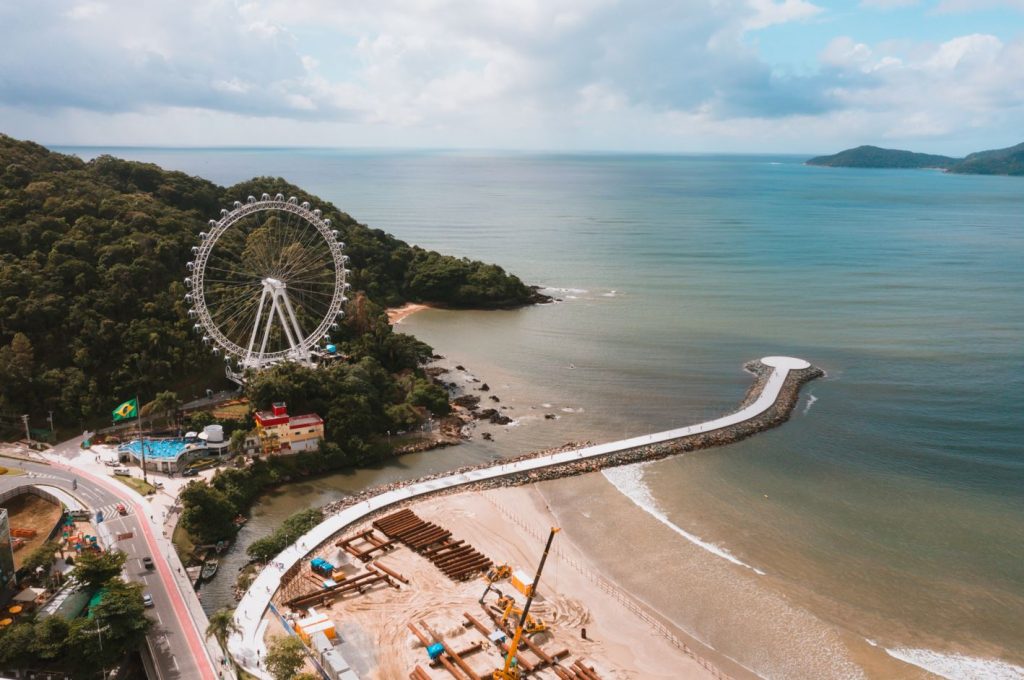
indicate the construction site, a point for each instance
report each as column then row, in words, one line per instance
column 453, row 588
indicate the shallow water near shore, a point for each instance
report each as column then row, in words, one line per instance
column 890, row 508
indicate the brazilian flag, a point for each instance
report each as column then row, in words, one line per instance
column 128, row 409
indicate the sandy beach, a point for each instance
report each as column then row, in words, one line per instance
column 396, row 314
column 622, row 641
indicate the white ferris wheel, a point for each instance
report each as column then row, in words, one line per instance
column 267, row 284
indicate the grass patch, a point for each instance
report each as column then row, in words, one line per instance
column 183, row 544
column 144, row 488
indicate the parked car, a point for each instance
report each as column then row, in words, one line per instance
column 147, row 600
column 124, row 472
column 189, row 472
column 158, row 484
column 147, row 562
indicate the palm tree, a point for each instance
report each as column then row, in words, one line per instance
column 222, row 625
column 166, row 403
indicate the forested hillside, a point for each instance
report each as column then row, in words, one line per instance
column 92, row 261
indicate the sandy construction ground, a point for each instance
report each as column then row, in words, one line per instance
column 378, row 644
column 28, row 511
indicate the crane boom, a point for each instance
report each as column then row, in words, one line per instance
column 509, row 672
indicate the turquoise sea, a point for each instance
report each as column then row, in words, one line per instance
column 885, row 521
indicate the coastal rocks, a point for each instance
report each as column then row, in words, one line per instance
column 484, row 388
column 494, row 398
column 435, row 371
column 467, row 401
column 493, row 416
column 451, row 427
column 550, row 416
column 487, row 436
column 460, row 367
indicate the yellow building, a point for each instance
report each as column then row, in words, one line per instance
column 281, row 433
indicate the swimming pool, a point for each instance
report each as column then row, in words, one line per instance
column 164, row 449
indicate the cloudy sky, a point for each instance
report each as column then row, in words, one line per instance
column 945, row 76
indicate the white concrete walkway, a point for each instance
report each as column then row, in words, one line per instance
column 247, row 646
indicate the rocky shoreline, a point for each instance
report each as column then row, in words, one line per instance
column 774, row 416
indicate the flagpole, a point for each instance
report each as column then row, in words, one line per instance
column 142, row 442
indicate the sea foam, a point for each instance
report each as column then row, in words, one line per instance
column 810, row 402
column 957, row 666
column 629, row 481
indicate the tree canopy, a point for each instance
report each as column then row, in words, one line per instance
column 97, row 569
column 285, row 656
column 92, row 262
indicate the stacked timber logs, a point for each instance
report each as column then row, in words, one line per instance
column 366, row 538
column 330, row 593
column 457, row 559
column 577, row 671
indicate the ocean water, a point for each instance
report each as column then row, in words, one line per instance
column 882, row 527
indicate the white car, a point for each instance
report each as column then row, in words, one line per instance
column 147, row 600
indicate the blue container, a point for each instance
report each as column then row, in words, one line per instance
column 435, row 650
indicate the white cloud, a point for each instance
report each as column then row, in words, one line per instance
column 844, row 52
column 563, row 73
column 888, row 4
column 966, row 84
column 769, row 12
column 976, row 5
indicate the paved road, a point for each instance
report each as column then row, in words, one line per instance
column 176, row 643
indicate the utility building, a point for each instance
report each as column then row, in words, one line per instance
column 282, row 433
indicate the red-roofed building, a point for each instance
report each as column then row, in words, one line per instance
column 281, row 433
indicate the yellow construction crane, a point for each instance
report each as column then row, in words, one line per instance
column 511, row 668
column 531, row 625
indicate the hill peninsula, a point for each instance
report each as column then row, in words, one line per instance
column 1008, row 161
column 92, row 260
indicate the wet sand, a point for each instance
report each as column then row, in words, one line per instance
column 741, row 615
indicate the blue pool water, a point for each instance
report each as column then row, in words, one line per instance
column 168, row 449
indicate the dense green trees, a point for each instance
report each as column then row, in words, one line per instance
column 291, row 529
column 206, row 513
column 112, row 628
column 91, row 293
column 96, row 569
column 43, row 556
column 285, row 656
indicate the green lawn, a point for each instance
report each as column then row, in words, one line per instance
column 136, row 483
column 183, row 544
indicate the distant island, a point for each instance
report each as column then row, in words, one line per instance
column 1009, row 161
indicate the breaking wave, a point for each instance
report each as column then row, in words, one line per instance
column 629, row 481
